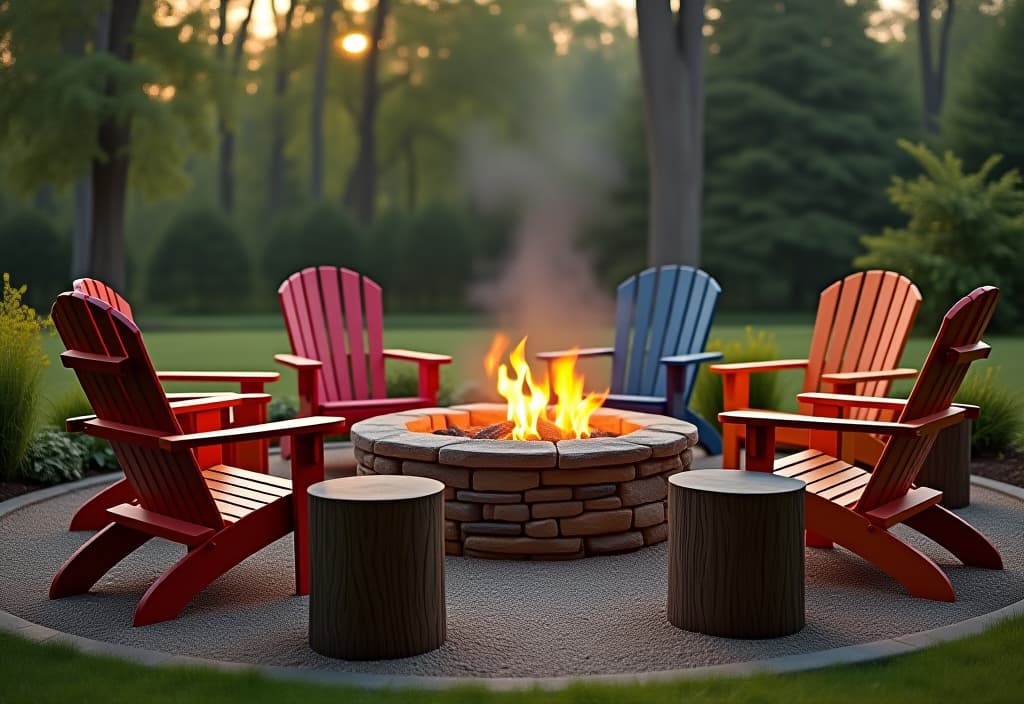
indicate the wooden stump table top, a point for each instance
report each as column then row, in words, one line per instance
column 735, row 481
column 381, row 487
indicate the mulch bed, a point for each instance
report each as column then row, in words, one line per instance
column 1007, row 468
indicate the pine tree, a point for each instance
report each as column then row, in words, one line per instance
column 987, row 110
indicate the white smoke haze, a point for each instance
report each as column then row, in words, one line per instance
column 546, row 288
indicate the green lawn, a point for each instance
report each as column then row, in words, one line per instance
column 983, row 668
column 245, row 343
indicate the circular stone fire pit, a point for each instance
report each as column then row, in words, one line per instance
column 517, row 500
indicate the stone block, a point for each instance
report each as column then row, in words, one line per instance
column 452, row 547
column 483, row 413
column 490, row 497
column 491, row 528
column 603, row 504
column 362, row 456
column 620, row 542
column 507, row 512
column 449, row 493
column 451, row 530
column 648, row 515
column 643, row 491
column 547, row 528
column 679, row 427
column 504, row 480
column 500, row 454
column 557, row 509
column 554, row 493
column 660, row 465
column 386, row 465
column 457, row 511
column 364, row 436
column 522, row 545
column 415, row 446
column 661, row 443
column 655, row 534
column 596, row 523
column 449, row 476
column 599, row 452
column 595, row 491
column 597, row 475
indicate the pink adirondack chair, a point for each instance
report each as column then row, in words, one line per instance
column 251, row 455
column 855, row 508
column 182, row 489
column 335, row 322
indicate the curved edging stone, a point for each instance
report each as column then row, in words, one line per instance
column 847, row 655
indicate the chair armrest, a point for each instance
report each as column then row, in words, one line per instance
column 212, row 403
column 580, row 354
column 818, row 398
column 695, row 358
column 310, row 425
column 225, row 377
column 774, row 365
column 418, row 357
column 296, row 362
column 850, row 378
column 921, row 426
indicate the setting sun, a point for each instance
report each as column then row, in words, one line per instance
column 354, row 43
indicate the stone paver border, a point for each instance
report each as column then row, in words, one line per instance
column 848, row 655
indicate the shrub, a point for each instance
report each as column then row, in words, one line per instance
column 282, row 409
column 964, row 230
column 320, row 235
column 53, row 457
column 21, row 366
column 34, row 252
column 764, row 388
column 70, row 405
column 99, row 455
column 441, row 254
column 405, row 382
column 1000, row 427
column 200, row 265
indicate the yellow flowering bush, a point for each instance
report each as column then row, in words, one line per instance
column 21, row 367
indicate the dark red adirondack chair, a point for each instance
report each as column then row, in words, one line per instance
column 181, row 488
column 335, row 322
column 251, row 455
column 855, row 508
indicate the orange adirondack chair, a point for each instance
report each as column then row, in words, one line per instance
column 335, row 322
column 252, row 455
column 854, row 508
column 860, row 331
column 185, row 494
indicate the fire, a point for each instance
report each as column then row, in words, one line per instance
column 528, row 399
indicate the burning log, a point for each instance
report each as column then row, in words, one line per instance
column 496, row 431
column 549, row 431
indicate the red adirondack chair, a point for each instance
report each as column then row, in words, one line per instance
column 854, row 508
column 184, row 492
column 862, row 326
column 251, row 455
column 335, row 322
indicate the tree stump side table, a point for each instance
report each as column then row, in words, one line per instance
column 376, row 567
column 948, row 467
column 736, row 553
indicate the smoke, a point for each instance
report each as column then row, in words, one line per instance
column 546, row 287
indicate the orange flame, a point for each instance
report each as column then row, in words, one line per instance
column 528, row 399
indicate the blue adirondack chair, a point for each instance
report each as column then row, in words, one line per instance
column 662, row 319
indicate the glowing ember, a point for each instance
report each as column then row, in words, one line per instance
column 528, row 399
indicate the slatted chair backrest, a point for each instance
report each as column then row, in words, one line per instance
column 98, row 289
column 336, row 316
column 106, row 351
column 863, row 323
column 660, row 312
column 957, row 343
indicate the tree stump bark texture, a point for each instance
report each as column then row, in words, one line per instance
column 736, row 553
column 948, row 467
column 376, row 567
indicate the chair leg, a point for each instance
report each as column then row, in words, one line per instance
column 168, row 595
column 908, row 566
column 706, row 433
column 731, row 446
column 286, row 447
column 94, row 559
column 814, row 540
column 92, row 515
column 958, row 536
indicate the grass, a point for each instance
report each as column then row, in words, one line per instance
column 983, row 668
column 248, row 343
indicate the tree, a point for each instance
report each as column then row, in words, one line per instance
column 933, row 68
column 279, row 110
column 225, row 129
column 316, row 128
column 672, row 67
column 987, row 110
column 803, row 115
column 963, row 230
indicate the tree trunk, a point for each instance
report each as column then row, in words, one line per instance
column 933, row 70
column 110, row 169
column 409, row 147
column 672, row 67
column 226, row 168
column 361, row 190
column 316, row 132
column 279, row 124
